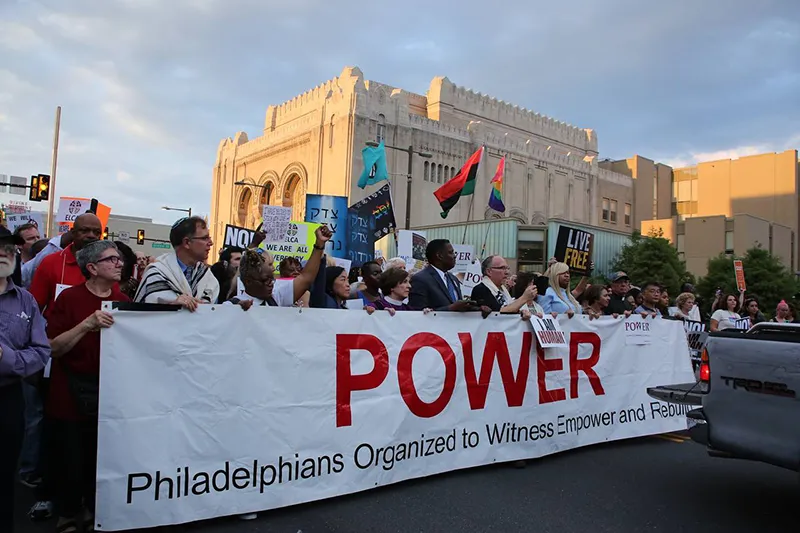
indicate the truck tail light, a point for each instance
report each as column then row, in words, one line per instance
column 705, row 369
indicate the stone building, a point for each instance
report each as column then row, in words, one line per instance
column 313, row 143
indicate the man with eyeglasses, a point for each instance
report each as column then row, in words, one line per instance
column 24, row 351
column 651, row 294
column 492, row 291
column 182, row 276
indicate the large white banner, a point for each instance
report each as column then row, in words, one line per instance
column 223, row 411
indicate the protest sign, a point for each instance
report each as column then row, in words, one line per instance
column 70, row 208
column 411, row 244
column 361, row 245
column 330, row 210
column 741, row 323
column 237, row 236
column 15, row 221
column 574, row 247
column 465, row 254
column 276, row 222
column 548, row 331
column 298, row 242
column 738, row 269
column 366, row 401
column 696, row 337
column 472, row 276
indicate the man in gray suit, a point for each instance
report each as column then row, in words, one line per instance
column 434, row 287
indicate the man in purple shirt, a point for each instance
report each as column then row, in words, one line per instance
column 24, row 351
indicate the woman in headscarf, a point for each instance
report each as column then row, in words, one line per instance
column 558, row 298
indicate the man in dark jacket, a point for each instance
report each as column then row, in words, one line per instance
column 620, row 285
column 434, row 287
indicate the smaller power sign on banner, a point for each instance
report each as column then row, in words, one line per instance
column 472, row 277
column 574, row 247
column 548, row 332
column 637, row 330
column 738, row 268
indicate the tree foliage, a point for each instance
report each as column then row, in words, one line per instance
column 767, row 279
column 653, row 258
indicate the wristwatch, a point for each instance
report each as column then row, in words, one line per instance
column 319, row 247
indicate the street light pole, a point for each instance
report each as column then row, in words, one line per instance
column 166, row 208
column 410, row 151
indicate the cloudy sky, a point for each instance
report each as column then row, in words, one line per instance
column 149, row 87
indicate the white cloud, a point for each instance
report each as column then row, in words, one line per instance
column 692, row 158
column 123, row 176
column 18, row 37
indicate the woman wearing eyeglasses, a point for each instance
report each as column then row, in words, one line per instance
column 74, row 330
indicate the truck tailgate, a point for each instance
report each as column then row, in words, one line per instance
column 682, row 393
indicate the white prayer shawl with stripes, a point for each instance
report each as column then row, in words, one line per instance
column 163, row 281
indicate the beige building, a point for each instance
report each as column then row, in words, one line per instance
column 731, row 205
column 313, row 143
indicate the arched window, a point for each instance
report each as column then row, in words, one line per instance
column 381, row 128
column 294, row 197
column 446, row 172
column 244, row 206
column 427, row 169
column 330, row 131
column 267, row 193
column 440, row 174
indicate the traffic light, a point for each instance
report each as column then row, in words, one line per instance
column 44, row 187
column 140, row 237
column 33, row 195
column 105, row 234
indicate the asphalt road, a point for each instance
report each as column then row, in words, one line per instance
column 662, row 484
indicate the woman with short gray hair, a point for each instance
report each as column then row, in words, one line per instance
column 74, row 330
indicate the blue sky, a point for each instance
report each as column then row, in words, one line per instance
column 149, row 87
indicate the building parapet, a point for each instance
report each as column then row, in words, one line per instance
column 438, row 128
column 443, row 91
column 614, row 177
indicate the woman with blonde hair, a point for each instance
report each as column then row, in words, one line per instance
column 558, row 298
column 684, row 304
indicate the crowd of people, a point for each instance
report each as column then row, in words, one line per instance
column 51, row 294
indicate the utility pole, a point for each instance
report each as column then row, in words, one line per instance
column 53, row 166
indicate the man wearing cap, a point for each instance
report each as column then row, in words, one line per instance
column 620, row 285
column 24, row 351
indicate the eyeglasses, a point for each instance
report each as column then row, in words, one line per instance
column 501, row 268
column 113, row 259
column 205, row 238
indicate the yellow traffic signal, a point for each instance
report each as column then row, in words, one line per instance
column 33, row 195
column 140, row 237
column 44, row 187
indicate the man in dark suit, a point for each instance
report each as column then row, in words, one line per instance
column 434, row 287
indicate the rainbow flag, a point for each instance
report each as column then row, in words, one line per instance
column 496, row 196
